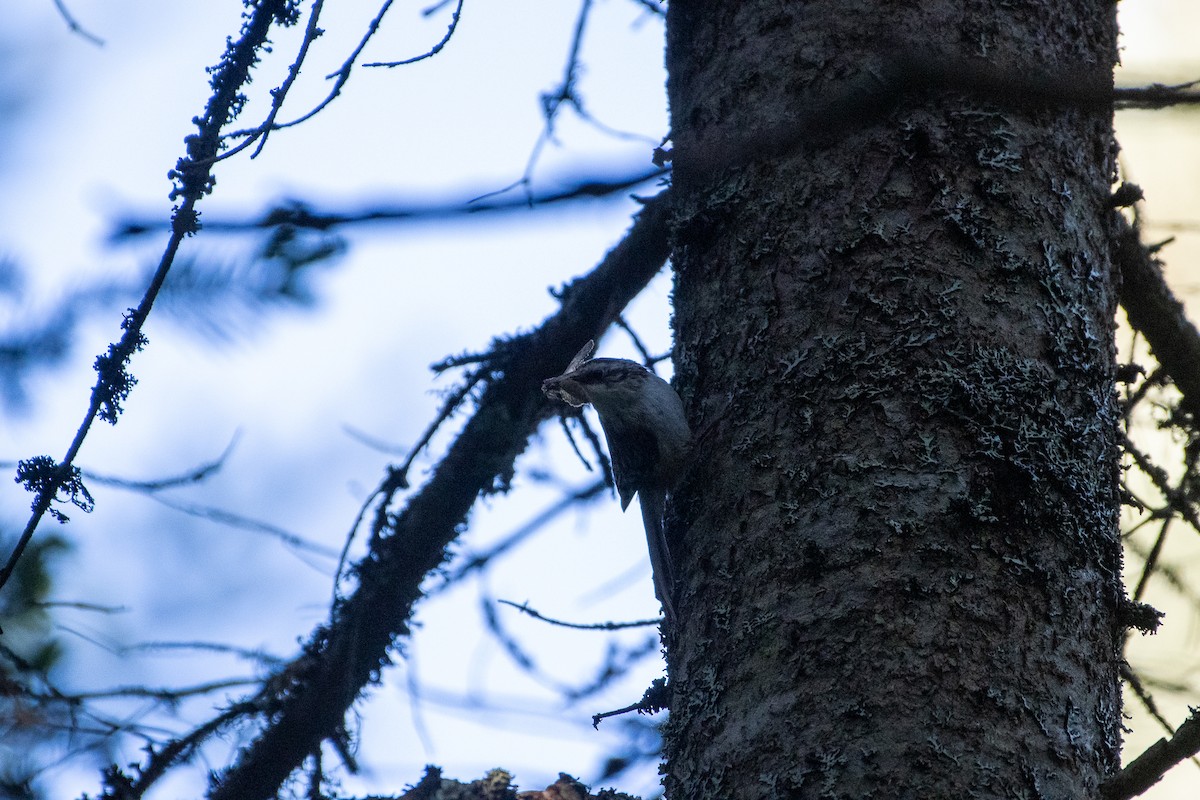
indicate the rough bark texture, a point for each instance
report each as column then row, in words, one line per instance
column 898, row 545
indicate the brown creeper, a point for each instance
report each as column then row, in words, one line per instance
column 648, row 441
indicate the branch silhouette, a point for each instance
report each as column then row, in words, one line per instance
column 306, row 702
column 1148, row 768
column 346, row 654
column 193, row 180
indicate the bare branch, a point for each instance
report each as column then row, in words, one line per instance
column 348, row 652
column 257, row 656
column 342, row 75
column 565, row 95
column 178, row 750
column 476, row 562
column 651, row 6
column 552, row 102
column 301, row 216
column 196, row 474
column 1153, row 310
column 193, row 180
column 654, row 700
column 1170, row 574
column 1157, row 95
column 397, row 477
column 1151, row 563
column 433, row 51
column 1148, row 768
column 166, row 694
column 233, row 520
column 82, row 606
column 74, row 25
column 590, row 626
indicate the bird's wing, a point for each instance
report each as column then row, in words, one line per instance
column 634, row 451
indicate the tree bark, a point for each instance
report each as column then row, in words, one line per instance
column 898, row 547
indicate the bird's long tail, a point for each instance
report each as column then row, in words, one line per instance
column 653, row 506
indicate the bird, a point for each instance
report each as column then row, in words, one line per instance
column 648, row 437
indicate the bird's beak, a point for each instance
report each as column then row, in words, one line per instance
column 555, row 389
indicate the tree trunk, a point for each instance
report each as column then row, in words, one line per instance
column 897, row 546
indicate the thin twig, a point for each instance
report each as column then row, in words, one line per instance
column 74, row 26
column 476, row 562
column 431, row 52
column 581, row 626
column 301, row 216
column 193, row 180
